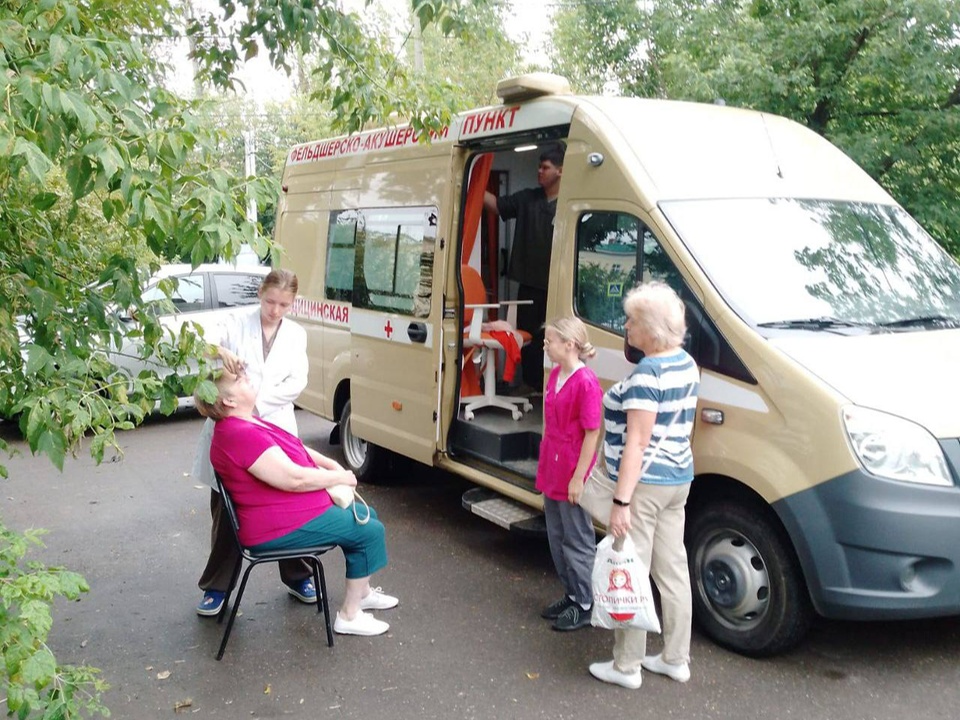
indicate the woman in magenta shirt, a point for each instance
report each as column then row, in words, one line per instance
column 278, row 486
column 571, row 429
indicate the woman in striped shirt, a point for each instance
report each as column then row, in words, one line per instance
column 648, row 419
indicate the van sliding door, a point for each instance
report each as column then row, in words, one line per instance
column 394, row 326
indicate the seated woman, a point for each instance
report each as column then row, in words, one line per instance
column 278, row 486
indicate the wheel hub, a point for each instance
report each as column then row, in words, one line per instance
column 354, row 449
column 734, row 578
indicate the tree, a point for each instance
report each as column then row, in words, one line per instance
column 471, row 64
column 104, row 168
column 103, row 173
column 879, row 78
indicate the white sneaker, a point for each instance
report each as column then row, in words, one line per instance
column 378, row 600
column 363, row 624
column 608, row 673
column 655, row 663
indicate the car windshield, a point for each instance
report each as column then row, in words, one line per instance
column 818, row 265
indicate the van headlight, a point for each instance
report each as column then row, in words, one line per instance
column 894, row 448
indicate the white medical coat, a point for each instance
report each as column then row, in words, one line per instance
column 279, row 379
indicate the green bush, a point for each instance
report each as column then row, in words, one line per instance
column 33, row 684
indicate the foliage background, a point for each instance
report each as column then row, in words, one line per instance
column 878, row 78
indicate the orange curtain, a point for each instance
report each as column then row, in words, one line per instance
column 473, row 210
column 474, row 207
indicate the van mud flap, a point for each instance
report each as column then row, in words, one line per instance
column 506, row 513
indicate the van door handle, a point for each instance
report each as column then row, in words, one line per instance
column 417, row 332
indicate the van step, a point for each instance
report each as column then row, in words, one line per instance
column 497, row 438
column 506, row 513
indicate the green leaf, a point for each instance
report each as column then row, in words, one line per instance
column 44, row 200
column 80, row 176
column 168, row 403
column 53, row 443
column 207, row 391
column 110, row 160
column 38, row 163
column 37, row 359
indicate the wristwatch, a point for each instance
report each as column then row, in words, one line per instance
column 621, row 503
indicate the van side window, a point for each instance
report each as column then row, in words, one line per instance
column 341, row 240
column 615, row 251
column 606, row 266
column 394, row 260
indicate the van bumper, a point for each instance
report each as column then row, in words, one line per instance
column 874, row 549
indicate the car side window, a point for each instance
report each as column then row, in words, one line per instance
column 187, row 296
column 236, row 289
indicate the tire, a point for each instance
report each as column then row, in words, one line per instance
column 748, row 591
column 366, row 460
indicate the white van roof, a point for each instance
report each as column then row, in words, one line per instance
column 701, row 151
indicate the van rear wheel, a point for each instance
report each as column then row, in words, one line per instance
column 748, row 591
column 366, row 460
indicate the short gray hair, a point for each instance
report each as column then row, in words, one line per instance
column 660, row 313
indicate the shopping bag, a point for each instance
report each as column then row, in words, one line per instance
column 622, row 597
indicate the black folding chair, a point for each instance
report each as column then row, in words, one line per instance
column 310, row 554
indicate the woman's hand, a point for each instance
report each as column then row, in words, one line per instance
column 231, row 362
column 619, row 524
column 574, row 491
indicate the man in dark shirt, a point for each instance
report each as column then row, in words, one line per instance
column 534, row 210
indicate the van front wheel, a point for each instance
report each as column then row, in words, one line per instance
column 366, row 460
column 748, row 591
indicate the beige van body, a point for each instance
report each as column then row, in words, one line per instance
column 825, row 448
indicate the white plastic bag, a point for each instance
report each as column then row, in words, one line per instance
column 622, row 597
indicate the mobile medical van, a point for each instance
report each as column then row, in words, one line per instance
column 824, row 320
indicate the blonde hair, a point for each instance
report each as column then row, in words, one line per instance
column 285, row 280
column 659, row 312
column 215, row 410
column 572, row 329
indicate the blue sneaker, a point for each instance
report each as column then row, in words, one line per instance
column 304, row 591
column 211, row 603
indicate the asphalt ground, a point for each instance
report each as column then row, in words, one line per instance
column 465, row 642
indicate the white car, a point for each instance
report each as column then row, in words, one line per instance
column 203, row 296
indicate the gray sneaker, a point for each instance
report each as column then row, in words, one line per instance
column 573, row 618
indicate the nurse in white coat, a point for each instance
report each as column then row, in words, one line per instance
column 272, row 351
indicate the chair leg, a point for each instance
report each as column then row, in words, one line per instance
column 230, row 587
column 233, row 611
column 323, row 605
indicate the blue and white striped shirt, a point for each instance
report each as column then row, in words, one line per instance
column 665, row 386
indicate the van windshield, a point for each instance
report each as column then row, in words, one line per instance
column 818, row 264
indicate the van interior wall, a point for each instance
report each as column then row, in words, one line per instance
column 521, row 172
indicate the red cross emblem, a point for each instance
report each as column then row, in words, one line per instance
column 388, row 329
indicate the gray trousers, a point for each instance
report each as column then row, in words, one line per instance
column 573, row 545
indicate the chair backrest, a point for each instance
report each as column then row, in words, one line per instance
column 230, row 508
column 474, row 291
